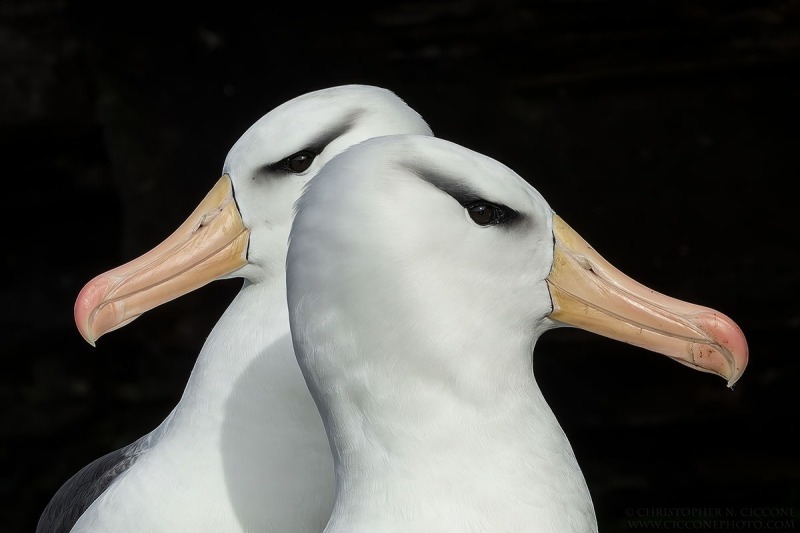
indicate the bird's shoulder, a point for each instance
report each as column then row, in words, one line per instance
column 83, row 488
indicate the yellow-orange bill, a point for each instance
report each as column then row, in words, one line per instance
column 590, row 293
column 212, row 242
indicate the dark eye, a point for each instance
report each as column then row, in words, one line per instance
column 486, row 214
column 300, row 161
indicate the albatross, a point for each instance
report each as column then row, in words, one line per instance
column 420, row 275
column 245, row 448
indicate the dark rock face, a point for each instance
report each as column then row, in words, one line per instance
column 666, row 133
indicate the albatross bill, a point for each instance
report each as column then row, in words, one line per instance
column 211, row 243
column 590, row 293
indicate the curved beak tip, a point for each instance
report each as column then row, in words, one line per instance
column 726, row 361
column 735, row 374
column 731, row 344
column 84, row 328
column 737, row 369
column 86, row 306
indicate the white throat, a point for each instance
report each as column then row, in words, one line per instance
column 441, row 435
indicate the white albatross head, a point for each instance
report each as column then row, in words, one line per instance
column 241, row 227
column 409, row 237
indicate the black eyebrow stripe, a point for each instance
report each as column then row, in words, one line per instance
column 325, row 138
column 463, row 194
column 460, row 192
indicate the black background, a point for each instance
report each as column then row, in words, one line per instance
column 666, row 133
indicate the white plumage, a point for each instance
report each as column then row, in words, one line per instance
column 420, row 275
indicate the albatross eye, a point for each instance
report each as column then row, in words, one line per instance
column 300, row 161
column 486, row 214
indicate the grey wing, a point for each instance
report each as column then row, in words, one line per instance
column 79, row 491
